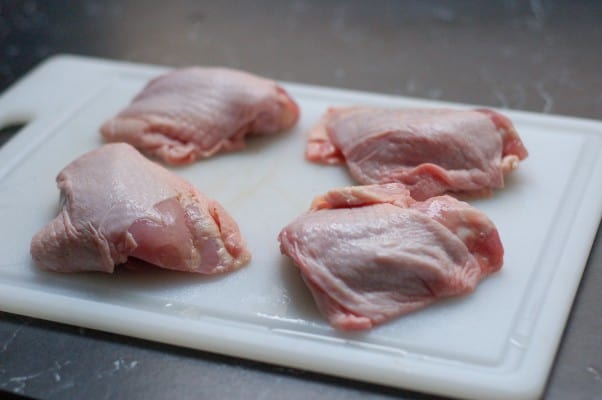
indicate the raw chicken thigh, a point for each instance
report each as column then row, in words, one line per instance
column 117, row 204
column 432, row 151
column 372, row 253
column 193, row 113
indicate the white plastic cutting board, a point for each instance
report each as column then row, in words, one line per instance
column 498, row 342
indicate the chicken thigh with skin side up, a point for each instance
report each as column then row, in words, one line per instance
column 192, row 113
column 117, row 204
column 371, row 253
column 432, row 151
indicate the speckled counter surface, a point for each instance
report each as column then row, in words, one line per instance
column 542, row 56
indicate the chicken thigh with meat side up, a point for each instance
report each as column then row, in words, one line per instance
column 193, row 113
column 117, row 204
column 371, row 253
column 432, row 151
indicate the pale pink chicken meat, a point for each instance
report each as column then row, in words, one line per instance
column 193, row 113
column 432, row 151
column 372, row 253
column 116, row 204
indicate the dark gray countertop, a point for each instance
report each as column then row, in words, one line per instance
column 542, row 56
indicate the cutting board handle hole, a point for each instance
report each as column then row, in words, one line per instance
column 9, row 130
